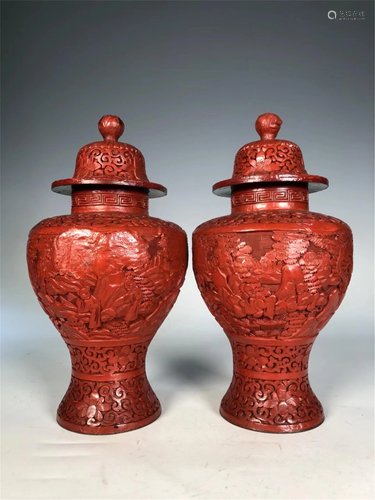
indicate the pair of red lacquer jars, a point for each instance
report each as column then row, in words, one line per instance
column 272, row 273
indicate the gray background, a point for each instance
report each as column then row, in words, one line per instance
column 188, row 79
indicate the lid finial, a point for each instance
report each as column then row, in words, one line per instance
column 268, row 126
column 111, row 128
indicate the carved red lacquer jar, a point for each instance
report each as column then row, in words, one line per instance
column 107, row 276
column 272, row 273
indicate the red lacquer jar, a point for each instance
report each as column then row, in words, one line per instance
column 273, row 274
column 107, row 276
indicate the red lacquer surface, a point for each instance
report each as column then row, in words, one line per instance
column 273, row 274
column 107, row 276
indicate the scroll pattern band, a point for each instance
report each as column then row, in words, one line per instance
column 91, row 404
column 267, row 361
column 108, row 389
column 261, row 403
column 269, row 195
column 115, row 362
column 87, row 199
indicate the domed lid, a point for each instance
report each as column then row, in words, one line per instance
column 110, row 163
column 269, row 160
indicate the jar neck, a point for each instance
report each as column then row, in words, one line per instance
column 108, row 199
column 275, row 196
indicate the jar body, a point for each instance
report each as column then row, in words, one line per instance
column 272, row 279
column 107, row 281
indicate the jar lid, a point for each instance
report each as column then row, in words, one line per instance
column 269, row 160
column 110, row 163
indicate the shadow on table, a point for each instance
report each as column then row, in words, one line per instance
column 337, row 364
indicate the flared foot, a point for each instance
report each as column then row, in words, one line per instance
column 276, row 406
column 108, row 407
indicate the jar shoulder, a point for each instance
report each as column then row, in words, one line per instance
column 108, row 221
column 273, row 220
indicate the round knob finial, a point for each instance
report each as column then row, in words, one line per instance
column 268, row 126
column 111, row 127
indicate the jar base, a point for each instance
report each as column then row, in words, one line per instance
column 272, row 405
column 109, row 406
column 107, row 430
column 272, row 429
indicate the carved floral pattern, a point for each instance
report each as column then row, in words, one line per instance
column 270, row 217
column 108, row 360
column 104, row 219
column 284, row 402
column 271, row 359
column 260, row 157
column 119, row 402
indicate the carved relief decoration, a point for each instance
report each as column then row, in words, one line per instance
column 273, row 284
column 108, row 404
column 270, row 217
column 275, row 359
column 260, row 157
column 104, row 219
column 107, row 276
column 272, row 274
column 269, row 195
column 272, row 403
column 97, row 284
column 104, row 360
column 94, row 198
column 119, row 161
